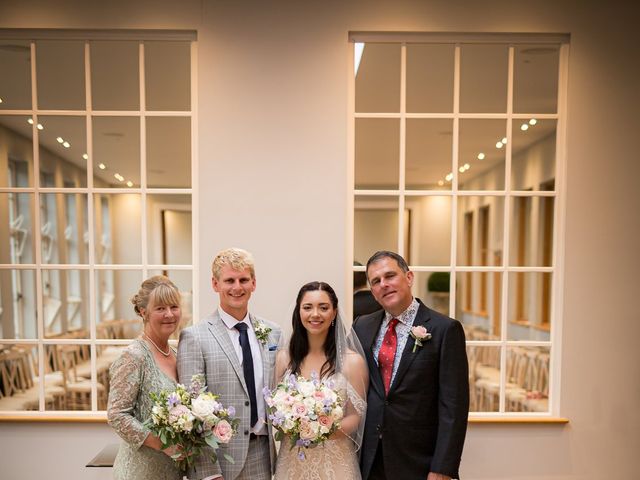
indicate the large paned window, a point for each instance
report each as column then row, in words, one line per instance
column 457, row 149
column 97, row 136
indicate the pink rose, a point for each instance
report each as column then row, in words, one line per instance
column 223, row 431
column 419, row 332
column 325, row 421
column 318, row 395
column 299, row 410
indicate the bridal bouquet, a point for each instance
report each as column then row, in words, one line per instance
column 190, row 418
column 307, row 411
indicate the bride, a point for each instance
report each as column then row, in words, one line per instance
column 319, row 344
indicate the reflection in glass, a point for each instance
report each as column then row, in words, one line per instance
column 482, row 153
column 15, row 89
column 116, row 152
column 533, row 154
column 478, row 302
column 19, row 382
column 527, row 388
column 169, row 152
column 60, row 73
column 483, row 78
column 433, row 289
column 16, row 230
column 18, row 304
column 428, row 154
column 115, row 76
column 428, row 227
column 377, row 153
column 531, row 236
column 484, row 375
column 16, row 145
column 480, row 228
column 168, row 75
column 116, row 318
column 65, row 300
column 182, row 280
column 169, row 229
column 529, row 306
column 375, row 226
column 378, row 78
column 62, row 218
column 430, row 78
column 63, row 151
column 363, row 300
column 118, row 234
column 535, row 78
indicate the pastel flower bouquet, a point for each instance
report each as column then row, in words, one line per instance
column 306, row 411
column 190, row 419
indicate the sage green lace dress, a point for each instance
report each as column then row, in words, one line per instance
column 132, row 377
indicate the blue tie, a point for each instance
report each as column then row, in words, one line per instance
column 247, row 367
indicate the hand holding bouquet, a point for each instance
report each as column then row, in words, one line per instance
column 189, row 419
column 307, row 411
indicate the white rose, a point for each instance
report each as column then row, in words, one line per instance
column 310, row 403
column 306, row 388
column 337, row 412
column 203, row 406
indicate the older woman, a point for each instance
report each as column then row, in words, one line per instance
column 147, row 365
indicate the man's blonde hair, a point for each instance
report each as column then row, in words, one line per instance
column 236, row 258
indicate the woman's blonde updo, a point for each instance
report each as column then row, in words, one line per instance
column 157, row 290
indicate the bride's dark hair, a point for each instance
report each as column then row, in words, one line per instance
column 299, row 344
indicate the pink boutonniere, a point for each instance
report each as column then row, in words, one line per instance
column 419, row 334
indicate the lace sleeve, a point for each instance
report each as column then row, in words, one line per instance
column 126, row 376
column 358, row 403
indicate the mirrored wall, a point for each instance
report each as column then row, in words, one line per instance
column 456, row 161
column 95, row 195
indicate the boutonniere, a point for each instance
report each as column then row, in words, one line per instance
column 419, row 334
column 262, row 332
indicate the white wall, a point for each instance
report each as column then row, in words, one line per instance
column 273, row 179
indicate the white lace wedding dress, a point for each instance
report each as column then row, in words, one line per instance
column 332, row 460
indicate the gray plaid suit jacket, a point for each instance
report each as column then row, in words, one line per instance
column 206, row 348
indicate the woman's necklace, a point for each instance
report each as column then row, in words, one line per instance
column 166, row 354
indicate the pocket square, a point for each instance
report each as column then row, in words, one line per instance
column 273, row 348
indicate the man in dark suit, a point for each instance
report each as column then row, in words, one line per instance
column 418, row 399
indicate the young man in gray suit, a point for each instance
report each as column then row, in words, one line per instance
column 231, row 348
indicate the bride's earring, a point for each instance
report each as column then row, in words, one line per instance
column 333, row 322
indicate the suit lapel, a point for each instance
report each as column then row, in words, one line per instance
column 408, row 355
column 265, row 364
column 368, row 344
column 219, row 331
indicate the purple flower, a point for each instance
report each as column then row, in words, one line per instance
column 173, row 399
column 231, row 410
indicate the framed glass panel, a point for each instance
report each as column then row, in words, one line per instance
column 116, row 152
column 430, row 71
column 480, row 230
column 16, row 143
column 169, row 229
column 62, row 227
column 168, row 75
column 533, row 154
column 535, row 78
column 478, row 303
column 60, row 73
column 484, row 73
column 377, row 153
column 15, row 89
column 118, row 235
column 529, row 306
column 116, row 318
column 378, row 78
column 17, row 243
column 63, row 151
column 484, row 378
column 66, row 303
column 427, row 230
column 115, row 75
column 18, row 304
column 18, row 377
column 375, row 226
column 433, row 289
column 428, row 154
column 527, row 388
column 169, row 152
column 531, row 238
column 482, row 153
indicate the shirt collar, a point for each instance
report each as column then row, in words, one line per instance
column 230, row 321
column 408, row 316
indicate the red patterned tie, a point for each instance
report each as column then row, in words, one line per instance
column 387, row 354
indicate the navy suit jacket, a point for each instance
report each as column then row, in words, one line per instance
column 422, row 421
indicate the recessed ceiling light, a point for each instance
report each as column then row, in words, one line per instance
column 481, row 156
column 66, row 144
column 533, row 121
column 60, row 139
column 449, row 177
column 504, row 140
column 30, row 121
column 461, row 169
column 118, row 177
column 39, row 126
column 524, row 127
column 129, row 183
column 102, row 166
column 85, row 156
column 440, row 183
column 0, row 100
column 466, row 166
column 499, row 145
